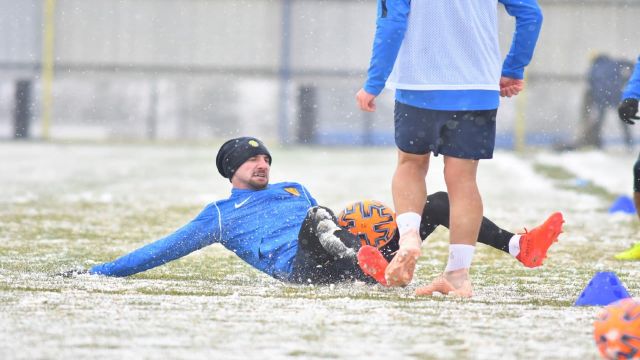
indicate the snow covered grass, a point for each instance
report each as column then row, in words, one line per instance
column 75, row 205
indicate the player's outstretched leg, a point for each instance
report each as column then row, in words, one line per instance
column 535, row 242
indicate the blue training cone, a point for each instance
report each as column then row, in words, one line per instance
column 623, row 204
column 603, row 289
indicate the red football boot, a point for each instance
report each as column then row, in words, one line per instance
column 373, row 263
column 535, row 243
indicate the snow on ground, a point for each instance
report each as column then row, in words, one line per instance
column 612, row 170
column 66, row 205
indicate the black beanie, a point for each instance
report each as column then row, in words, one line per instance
column 235, row 152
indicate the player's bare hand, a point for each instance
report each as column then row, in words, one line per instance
column 510, row 87
column 366, row 101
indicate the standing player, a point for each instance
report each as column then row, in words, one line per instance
column 448, row 77
column 628, row 112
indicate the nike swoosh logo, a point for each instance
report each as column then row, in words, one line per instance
column 237, row 205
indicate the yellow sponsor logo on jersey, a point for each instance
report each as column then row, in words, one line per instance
column 292, row 191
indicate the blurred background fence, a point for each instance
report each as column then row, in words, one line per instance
column 284, row 70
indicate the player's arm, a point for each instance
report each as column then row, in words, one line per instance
column 628, row 108
column 528, row 24
column 200, row 232
column 391, row 25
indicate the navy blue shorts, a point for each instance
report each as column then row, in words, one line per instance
column 460, row 134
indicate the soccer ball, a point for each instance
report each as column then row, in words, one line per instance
column 370, row 220
column 617, row 330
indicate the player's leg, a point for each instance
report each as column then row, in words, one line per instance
column 530, row 247
column 600, row 115
column 312, row 260
column 326, row 252
column 534, row 242
column 465, row 218
column 335, row 241
column 341, row 245
column 436, row 212
column 633, row 253
column 414, row 139
column 466, row 137
column 409, row 178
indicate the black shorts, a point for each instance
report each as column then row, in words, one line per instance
column 460, row 134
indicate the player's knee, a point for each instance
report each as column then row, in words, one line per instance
column 415, row 161
column 320, row 213
column 326, row 209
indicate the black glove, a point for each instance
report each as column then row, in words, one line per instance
column 627, row 110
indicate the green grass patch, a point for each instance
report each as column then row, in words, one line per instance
column 567, row 180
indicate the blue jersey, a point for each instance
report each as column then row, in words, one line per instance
column 260, row 226
column 632, row 90
column 391, row 26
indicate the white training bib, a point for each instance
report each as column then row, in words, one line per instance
column 449, row 45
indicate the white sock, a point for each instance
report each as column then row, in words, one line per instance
column 408, row 221
column 514, row 245
column 460, row 256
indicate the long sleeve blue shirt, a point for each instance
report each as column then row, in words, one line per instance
column 260, row 226
column 391, row 25
column 632, row 90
